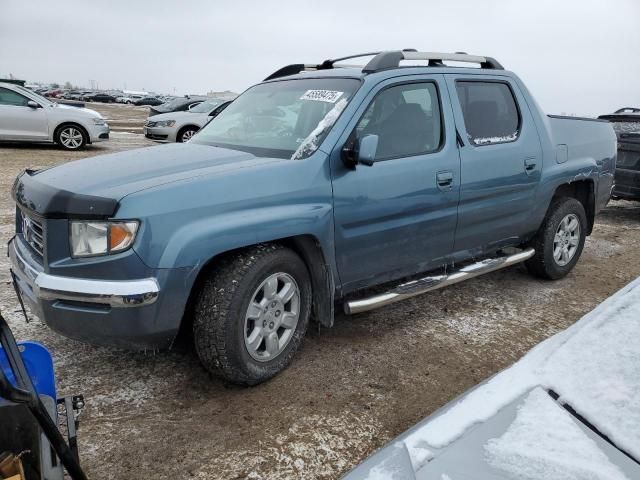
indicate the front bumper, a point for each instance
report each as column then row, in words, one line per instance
column 117, row 294
column 160, row 134
column 126, row 313
column 99, row 133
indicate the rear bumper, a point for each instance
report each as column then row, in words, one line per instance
column 627, row 184
column 133, row 314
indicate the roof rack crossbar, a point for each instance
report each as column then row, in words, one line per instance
column 327, row 64
column 392, row 59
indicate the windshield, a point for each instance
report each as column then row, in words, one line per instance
column 206, row 107
column 285, row 119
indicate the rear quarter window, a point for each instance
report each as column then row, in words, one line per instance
column 490, row 112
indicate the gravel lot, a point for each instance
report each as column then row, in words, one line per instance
column 350, row 390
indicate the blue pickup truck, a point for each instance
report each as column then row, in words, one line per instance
column 322, row 186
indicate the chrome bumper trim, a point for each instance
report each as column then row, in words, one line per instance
column 115, row 293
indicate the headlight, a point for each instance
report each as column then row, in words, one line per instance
column 98, row 121
column 165, row 123
column 101, row 238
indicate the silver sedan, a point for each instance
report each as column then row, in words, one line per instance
column 26, row 116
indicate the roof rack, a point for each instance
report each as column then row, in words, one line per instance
column 390, row 59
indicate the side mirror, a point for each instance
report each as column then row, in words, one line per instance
column 367, row 147
column 33, row 104
column 361, row 151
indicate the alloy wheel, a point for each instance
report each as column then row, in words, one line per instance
column 272, row 317
column 71, row 138
column 566, row 239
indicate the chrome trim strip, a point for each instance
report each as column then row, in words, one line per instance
column 115, row 293
column 427, row 284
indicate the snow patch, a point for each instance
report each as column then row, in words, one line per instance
column 315, row 446
column 594, row 365
column 488, row 140
column 310, row 144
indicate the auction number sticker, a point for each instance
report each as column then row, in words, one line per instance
column 329, row 96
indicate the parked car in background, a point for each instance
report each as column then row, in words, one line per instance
column 179, row 104
column 148, row 100
column 181, row 126
column 27, row 116
column 73, row 95
column 567, row 410
column 307, row 191
column 100, row 97
column 130, row 98
column 54, row 93
column 626, row 123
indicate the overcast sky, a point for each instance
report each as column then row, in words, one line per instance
column 577, row 56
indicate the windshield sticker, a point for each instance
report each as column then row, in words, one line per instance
column 329, row 96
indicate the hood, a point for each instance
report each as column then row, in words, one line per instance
column 80, row 111
column 79, row 187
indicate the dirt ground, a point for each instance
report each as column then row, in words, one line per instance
column 350, row 389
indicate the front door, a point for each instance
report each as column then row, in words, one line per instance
column 397, row 217
column 501, row 161
column 18, row 121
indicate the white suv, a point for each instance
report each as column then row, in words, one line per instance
column 27, row 116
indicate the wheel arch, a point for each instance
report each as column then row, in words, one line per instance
column 310, row 251
column 78, row 125
column 185, row 127
column 584, row 192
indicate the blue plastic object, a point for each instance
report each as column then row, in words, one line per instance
column 39, row 364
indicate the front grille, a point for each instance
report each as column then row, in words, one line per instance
column 33, row 233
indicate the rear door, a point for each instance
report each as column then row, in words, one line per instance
column 501, row 160
column 398, row 216
column 19, row 121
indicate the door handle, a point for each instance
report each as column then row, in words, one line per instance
column 444, row 180
column 530, row 164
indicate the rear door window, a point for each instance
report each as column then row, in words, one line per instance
column 490, row 112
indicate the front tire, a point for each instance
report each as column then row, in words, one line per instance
column 560, row 240
column 185, row 134
column 71, row 137
column 251, row 314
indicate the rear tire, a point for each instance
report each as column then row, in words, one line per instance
column 560, row 240
column 245, row 326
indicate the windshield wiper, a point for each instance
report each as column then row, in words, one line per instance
column 589, row 425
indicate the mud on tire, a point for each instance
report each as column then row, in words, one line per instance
column 222, row 308
column 550, row 236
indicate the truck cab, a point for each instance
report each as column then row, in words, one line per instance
column 314, row 188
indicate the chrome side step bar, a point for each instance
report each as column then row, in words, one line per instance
column 427, row 284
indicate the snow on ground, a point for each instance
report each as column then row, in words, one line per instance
column 594, row 365
column 544, row 442
column 313, row 443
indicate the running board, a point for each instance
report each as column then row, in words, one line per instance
column 427, row 284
